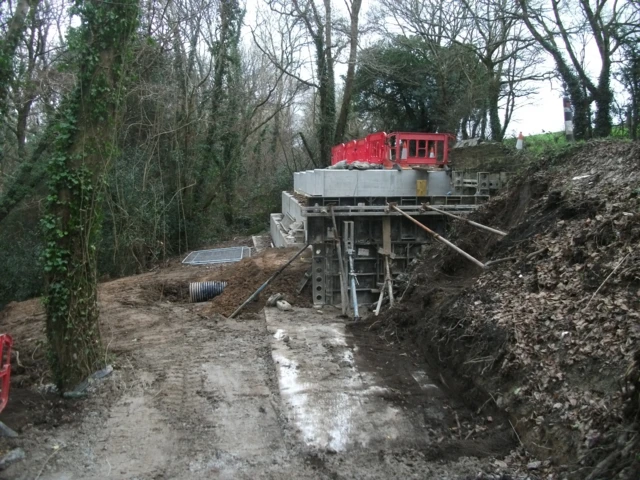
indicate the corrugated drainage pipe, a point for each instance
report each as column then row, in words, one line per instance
column 203, row 291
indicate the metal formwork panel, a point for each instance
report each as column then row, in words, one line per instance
column 406, row 244
column 319, row 274
column 218, row 255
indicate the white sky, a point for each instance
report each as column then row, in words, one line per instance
column 543, row 111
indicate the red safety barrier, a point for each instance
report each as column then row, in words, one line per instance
column 5, row 368
column 404, row 149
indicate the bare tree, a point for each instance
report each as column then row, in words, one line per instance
column 487, row 28
column 9, row 43
column 307, row 24
column 560, row 28
column 353, row 7
column 508, row 54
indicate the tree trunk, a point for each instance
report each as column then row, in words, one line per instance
column 579, row 101
column 463, row 128
column 326, row 94
column 603, row 99
column 483, row 124
column 82, row 151
column 21, row 124
column 494, row 112
column 341, row 127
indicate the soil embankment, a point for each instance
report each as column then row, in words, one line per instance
column 484, row 157
column 549, row 332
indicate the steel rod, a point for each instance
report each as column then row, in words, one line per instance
column 439, row 238
column 354, row 293
column 470, row 222
column 343, row 281
column 269, row 280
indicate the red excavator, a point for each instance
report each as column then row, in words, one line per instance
column 396, row 149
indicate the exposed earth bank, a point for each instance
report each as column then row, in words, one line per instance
column 550, row 331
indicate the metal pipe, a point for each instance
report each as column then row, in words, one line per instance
column 343, row 280
column 470, row 222
column 262, row 287
column 438, row 237
column 203, row 291
column 354, row 294
column 388, row 279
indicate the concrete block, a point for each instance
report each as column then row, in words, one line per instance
column 389, row 183
column 274, row 229
column 439, row 184
column 369, row 183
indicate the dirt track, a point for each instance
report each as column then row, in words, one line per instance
column 195, row 395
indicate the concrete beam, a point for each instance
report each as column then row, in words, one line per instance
column 369, row 183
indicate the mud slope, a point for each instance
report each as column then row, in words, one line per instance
column 548, row 333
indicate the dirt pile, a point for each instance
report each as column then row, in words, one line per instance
column 549, row 332
column 485, row 157
column 244, row 278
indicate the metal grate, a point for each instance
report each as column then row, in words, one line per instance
column 219, row 255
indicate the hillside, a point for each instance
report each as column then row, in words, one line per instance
column 550, row 331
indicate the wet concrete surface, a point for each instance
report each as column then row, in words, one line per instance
column 279, row 395
column 337, row 402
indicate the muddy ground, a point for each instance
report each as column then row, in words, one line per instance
column 280, row 395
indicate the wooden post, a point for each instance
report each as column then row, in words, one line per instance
column 470, row 222
column 438, row 237
column 386, row 235
column 377, row 311
column 388, row 279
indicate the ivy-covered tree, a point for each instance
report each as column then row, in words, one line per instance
column 629, row 76
column 223, row 139
column 560, row 27
column 8, row 45
column 83, row 148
